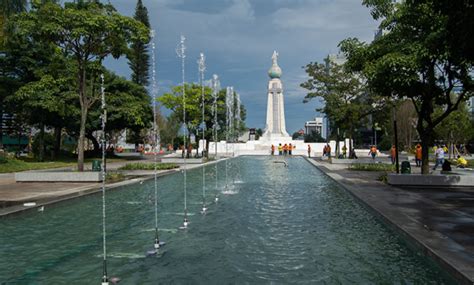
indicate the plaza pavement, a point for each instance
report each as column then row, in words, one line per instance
column 13, row 195
column 440, row 222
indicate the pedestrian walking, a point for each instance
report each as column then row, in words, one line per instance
column 418, row 155
column 393, row 154
column 439, row 157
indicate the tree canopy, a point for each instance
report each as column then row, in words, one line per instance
column 174, row 102
column 414, row 58
column 85, row 32
column 347, row 101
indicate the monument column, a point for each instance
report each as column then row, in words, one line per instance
column 275, row 124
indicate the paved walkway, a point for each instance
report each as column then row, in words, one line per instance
column 440, row 222
column 13, row 195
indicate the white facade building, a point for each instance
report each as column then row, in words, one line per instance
column 316, row 125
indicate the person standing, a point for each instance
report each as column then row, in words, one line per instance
column 344, row 151
column 328, row 151
column 285, row 149
column 373, row 151
column 418, row 155
column 273, row 150
column 290, row 149
column 309, row 150
column 190, row 151
column 280, row 149
column 439, row 157
column 393, row 154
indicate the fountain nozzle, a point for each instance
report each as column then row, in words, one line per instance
column 185, row 223
column 157, row 244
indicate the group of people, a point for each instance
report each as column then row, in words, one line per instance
column 286, row 149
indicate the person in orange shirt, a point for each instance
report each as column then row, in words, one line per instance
column 418, row 155
column 393, row 154
column 285, row 149
column 290, row 149
column 273, row 149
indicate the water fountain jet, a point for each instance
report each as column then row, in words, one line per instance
column 202, row 68
column 181, row 52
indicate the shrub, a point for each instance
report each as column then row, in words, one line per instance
column 148, row 166
column 371, row 167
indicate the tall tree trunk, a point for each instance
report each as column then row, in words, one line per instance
column 41, row 143
column 426, row 137
column 82, row 136
column 57, row 142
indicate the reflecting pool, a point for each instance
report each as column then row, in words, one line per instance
column 274, row 224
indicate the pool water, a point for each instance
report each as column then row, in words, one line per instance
column 274, row 225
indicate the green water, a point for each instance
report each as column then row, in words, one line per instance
column 275, row 225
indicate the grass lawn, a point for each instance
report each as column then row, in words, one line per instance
column 16, row 165
column 24, row 164
column 371, row 167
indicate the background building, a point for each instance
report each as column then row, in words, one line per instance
column 317, row 125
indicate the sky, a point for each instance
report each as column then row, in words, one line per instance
column 238, row 38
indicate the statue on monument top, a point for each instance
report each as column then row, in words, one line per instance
column 275, row 70
column 275, row 57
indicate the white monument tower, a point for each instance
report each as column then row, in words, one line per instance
column 275, row 129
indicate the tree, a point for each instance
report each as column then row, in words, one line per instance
column 313, row 137
column 457, row 128
column 39, row 69
column 42, row 103
column 347, row 101
column 87, row 32
column 415, row 59
column 174, row 102
column 7, row 9
column 128, row 107
column 138, row 58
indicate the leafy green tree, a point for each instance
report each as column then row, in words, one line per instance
column 313, row 137
column 347, row 101
column 36, row 65
column 138, row 57
column 7, row 9
column 174, row 102
column 87, row 32
column 457, row 128
column 44, row 103
column 128, row 107
column 415, row 59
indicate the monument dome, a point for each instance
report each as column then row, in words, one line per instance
column 274, row 71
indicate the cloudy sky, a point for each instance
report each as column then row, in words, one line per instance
column 238, row 38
